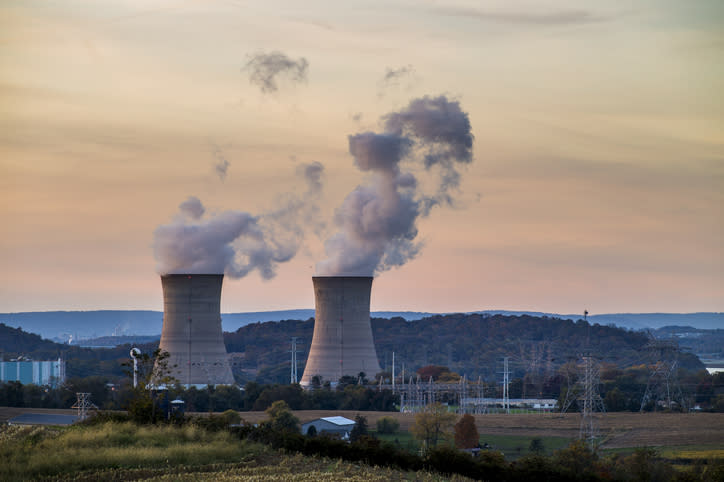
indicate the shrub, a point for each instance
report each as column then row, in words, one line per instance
column 388, row 425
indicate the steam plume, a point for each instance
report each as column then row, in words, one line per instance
column 377, row 221
column 222, row 165
column 264, row 68
column 236, row 242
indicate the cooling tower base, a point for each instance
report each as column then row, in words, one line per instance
column 192, row 330
column 342, row 343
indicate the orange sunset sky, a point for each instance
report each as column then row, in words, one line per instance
column 598, row 173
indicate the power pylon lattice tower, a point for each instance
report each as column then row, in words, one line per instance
column 293, row 378
column 590, row 400
column 506, row 384
column 663, row 386
column 83, row 404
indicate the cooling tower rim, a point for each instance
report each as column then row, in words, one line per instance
column 342, row 277
column 189, row 275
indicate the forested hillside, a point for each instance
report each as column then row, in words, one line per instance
column 473, row 345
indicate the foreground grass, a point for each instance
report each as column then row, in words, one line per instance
column 124, row 451
column 30, row 453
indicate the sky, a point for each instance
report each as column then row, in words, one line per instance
column 596, row 182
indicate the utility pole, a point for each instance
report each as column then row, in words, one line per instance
column 506, row 382
column 135, row 353
column 393, row 372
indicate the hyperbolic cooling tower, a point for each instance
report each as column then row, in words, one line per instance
column 192, row 329
column 342, row 343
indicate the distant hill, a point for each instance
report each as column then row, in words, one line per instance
column 61, row 325
column 470, row 344
column 637, row 321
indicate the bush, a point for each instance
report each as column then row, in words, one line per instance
column 448, row 460
column 388, row 425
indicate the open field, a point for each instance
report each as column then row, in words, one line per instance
column 620, row 429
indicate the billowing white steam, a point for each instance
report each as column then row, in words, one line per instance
column 235, row 242
column 377, row 220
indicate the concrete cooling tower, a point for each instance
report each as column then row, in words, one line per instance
column 342, row 343
column 192, row 329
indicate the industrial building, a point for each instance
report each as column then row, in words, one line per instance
column 335, row 425
column 51, row 373
column 342, row 342
column 191, row 331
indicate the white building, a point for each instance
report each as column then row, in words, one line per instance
column 37, row 372
column 336, row 425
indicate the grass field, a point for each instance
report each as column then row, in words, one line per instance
column 114, row 451
column 676, row 436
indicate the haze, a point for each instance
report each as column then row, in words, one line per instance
column 597, row 181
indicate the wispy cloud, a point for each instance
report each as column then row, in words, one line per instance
column 549, row 17
column 265, row 69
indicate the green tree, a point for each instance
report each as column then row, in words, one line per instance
column 359, row 429
column 281, row 418
column 432, row 424
column 576, row 459
column 466, row 433
column 144, row 405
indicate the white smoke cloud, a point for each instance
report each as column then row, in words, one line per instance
column 377, row 221
column 236, row 243
column 265, row 68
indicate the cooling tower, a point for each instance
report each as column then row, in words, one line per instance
column 342, row 343
column 192, row 329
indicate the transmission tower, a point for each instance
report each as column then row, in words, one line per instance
column 83, row 404
column 506, row 383
column 293, row 378
column 590, row 400
column 663, row 386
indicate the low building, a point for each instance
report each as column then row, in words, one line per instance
column 333, row 425
column 50, row 373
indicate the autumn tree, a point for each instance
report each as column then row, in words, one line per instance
column 432, row 424
column 281, row 418
column 466, row 434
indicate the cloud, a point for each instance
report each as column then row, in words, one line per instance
column 550, row 17
column 265, row 68
column 236, row 242
column 377, row 221
column 192, row 208
column 222, row 165
column 394, row 77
